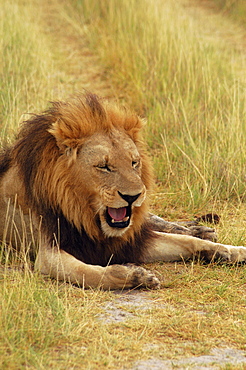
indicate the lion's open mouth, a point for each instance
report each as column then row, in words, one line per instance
column 118, row 217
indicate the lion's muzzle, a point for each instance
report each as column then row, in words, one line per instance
column 129, row 198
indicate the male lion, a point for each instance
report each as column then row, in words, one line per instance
column 80, row 171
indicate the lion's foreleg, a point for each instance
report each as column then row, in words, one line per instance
column 172, row 247
column 63, row 266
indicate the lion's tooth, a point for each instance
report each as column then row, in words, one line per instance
column 123, row 220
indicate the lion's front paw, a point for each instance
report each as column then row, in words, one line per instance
column 129, row 276
column 203, row 232
column 143, row 277
column 225, row 253
column 237, row 254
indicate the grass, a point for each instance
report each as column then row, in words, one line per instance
column 42, row 323
column 49, row 325
column 235, row 9
column 193, row 97
column 189, row 84
column 26, row 65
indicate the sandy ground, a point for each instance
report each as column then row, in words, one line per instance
column 118, row 312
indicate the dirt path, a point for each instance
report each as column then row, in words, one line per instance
column 217, row 25
column 76, row 66
column 217, row 28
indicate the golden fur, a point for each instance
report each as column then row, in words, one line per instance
column 81, row 168
column 61, row 178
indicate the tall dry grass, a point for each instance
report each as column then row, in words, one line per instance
column 186, row 83
column 26, row 68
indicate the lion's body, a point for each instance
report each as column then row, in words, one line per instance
column 76, row 181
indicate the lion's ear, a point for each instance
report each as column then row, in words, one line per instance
column 66, row 139
column 133, row 127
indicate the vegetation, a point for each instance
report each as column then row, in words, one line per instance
column 191, row 95
column 236, row 9
column 26, row 65
column 164, row 62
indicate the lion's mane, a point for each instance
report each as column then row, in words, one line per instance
column 49, row 178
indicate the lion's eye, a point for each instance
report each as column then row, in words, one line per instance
column 135, row 164
column 104, row 167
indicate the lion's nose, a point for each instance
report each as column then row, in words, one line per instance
column 129, row 198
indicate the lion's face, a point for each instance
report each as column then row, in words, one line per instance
column 110, row 166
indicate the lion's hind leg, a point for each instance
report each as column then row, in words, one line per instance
column 191, row 228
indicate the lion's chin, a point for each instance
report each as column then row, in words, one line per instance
column 112, row 232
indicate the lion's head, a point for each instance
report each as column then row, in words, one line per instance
column 111, row 171
column 88, row 161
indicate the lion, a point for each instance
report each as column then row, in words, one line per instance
column 76, row 182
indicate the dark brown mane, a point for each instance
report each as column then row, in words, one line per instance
column 97, row 252
column 5, row 161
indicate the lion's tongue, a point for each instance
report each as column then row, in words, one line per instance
column 117, row 214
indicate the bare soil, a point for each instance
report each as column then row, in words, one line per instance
column 216, row 23
column 78, row 68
